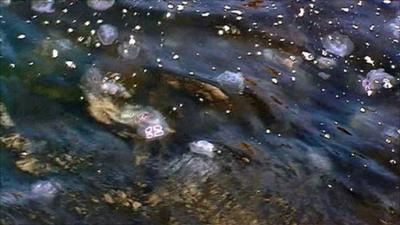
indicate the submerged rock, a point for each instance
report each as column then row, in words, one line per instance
column 198, row 88
column 32, row 165
column 107, row 34
column 43, row 6
column 338, row 44
column 191, row 167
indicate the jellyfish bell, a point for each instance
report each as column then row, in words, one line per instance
column 45, row 189
column 107, row 34
column 129, row 49
column 43, row 6
column 338, row 44
column 394, row 26
column 100, row 5
column 231, row 81
column 377, row 80
column 151, row 124
column 325, row 63
column 202, row 147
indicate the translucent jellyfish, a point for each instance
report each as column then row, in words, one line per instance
column 45, row 189
column 54, row 47
column 4, row 3
column 376, row 80
column 203, row 147
column 231, row 81
column 129, row 49
column 43, row 6
column 281, row 58
column 100, row 5
column 151, row 124
column 394, row 26
column 95, row 83
column 338, row 44
column 324, row 76
column 115, row 89
column 107, row 34
column 325, row 63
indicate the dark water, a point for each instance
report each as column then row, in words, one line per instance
column 97, row 133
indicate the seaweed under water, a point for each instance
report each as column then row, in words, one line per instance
column 259, row 112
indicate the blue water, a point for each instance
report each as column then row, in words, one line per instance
column 292, row 147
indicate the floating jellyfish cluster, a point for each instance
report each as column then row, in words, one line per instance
column 200, row 112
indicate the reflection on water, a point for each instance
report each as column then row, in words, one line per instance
column 200, row 112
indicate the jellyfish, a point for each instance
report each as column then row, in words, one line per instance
column 45, row 189
column 150, row 123
column 100, row 5
column 376, row 80
column 394, row 27
column 338, row 44
column 43, row 6
column 129, row 49
column 202, row 147
column 325, row 63
column 231, row 81
column 107, row 34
